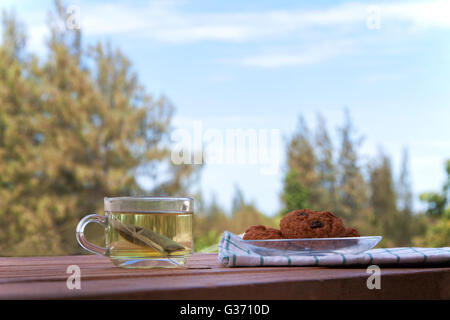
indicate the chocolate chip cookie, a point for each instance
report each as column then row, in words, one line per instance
column 261, row 232
column 306, row 223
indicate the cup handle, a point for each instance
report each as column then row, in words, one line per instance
column 80, row 233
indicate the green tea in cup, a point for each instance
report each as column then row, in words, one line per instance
column 144, row 232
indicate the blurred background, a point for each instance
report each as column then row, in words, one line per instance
column 92, row 92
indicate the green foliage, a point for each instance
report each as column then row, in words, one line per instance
column 210, row 221
column 247, row 216
column 315, row 179
column 301, row 183
column 325, row 166
column 383, row 199
column 437, row 233
column 438, row 211
column 208, row 240
column 447, row 183
column 436, row 202
column 77, row 125
column 352, row 189
column 74, row 127
column 294, row 194
column 365, row 196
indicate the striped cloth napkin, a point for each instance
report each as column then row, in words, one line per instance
column 234, row 252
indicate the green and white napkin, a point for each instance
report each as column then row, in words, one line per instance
column 234, row 252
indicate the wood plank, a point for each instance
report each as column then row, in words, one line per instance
column 45, row 278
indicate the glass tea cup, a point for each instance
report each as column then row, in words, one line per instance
column 143, row 232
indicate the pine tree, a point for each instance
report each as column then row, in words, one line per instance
column 210, row 221
column 14, row 37
column 294, row 195
column 438, row 202
column 246, row 216
column 404, row 192
column 437, row 233
column 326, row 168
column 21, row 220
column 238, row 200
column 74, row 128
column 352, row 189
column 383, row 199
column 301, row 182
column 405, row 203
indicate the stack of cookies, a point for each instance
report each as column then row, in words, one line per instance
column 301, row 224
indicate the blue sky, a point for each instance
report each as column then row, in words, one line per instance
column 261, row 64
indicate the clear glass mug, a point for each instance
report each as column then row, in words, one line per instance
column 143, row 232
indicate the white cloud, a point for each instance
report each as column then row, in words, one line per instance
column 313, row 54
column 422, row 14
column 167, row 23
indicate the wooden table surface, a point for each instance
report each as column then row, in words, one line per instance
column 46, row 278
